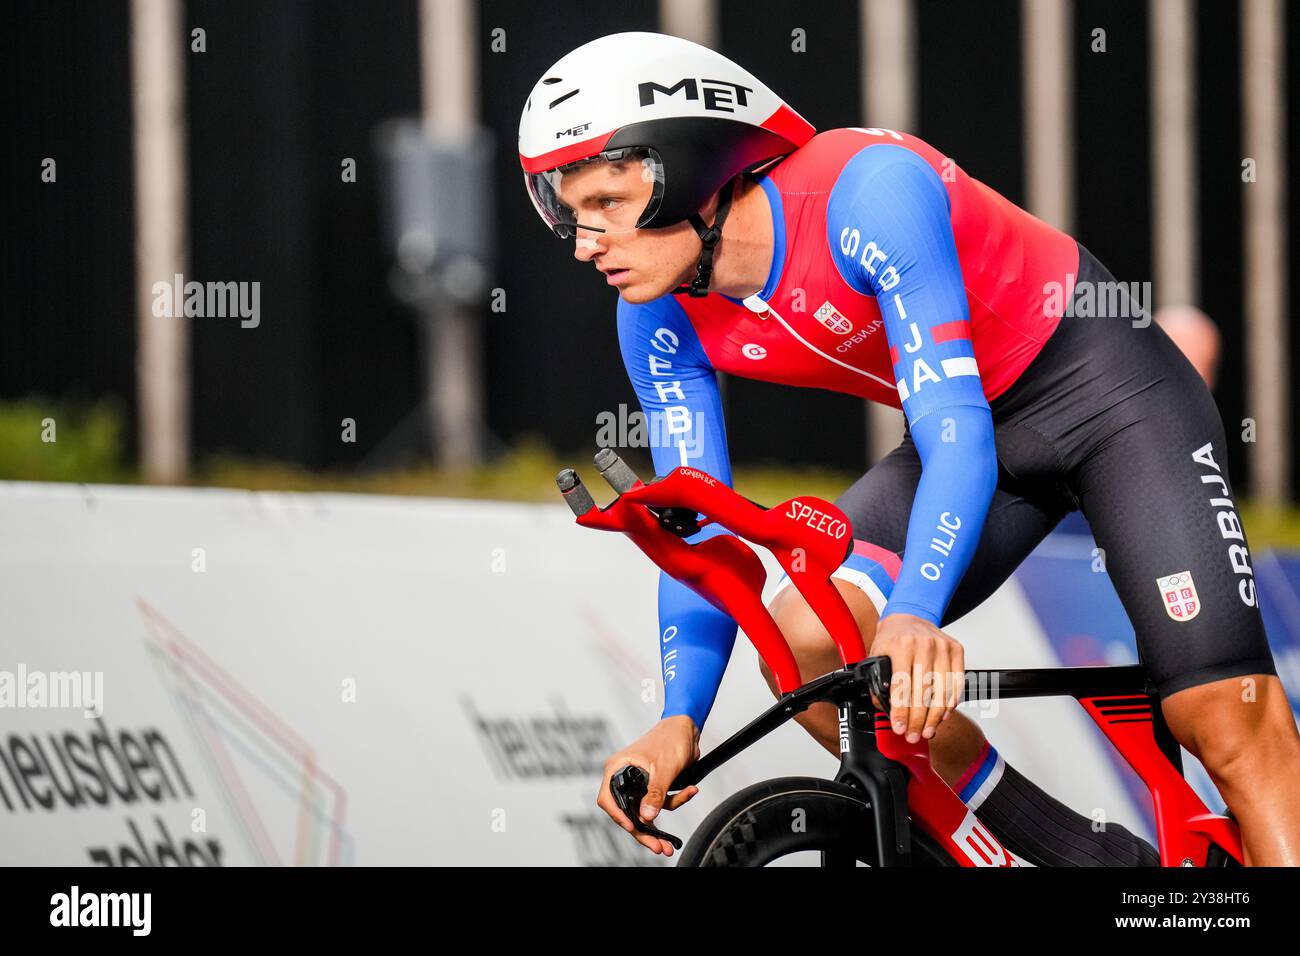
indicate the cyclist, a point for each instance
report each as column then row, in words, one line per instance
column 865, row 261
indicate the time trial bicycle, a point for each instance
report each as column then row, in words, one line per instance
column 886, row 806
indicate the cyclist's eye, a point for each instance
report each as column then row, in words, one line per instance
column 608, row 199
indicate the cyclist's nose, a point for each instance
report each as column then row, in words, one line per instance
column 585, row 245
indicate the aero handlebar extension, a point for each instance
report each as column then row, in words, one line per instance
column 809, row 537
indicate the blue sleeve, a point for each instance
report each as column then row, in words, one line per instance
column 890, row 234
column 678, row 391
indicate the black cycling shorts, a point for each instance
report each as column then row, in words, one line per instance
column 1110, row 418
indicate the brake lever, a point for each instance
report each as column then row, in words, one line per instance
column 878, row 673
column 628, row 786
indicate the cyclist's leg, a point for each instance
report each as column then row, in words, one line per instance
column 1142, row 447
column 1157, row 495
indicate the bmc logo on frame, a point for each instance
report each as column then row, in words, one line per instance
column 1178, row 593
column 979, row 845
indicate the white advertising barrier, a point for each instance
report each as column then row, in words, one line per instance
column 211, row 676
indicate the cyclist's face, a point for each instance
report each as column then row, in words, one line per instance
column 612, row 196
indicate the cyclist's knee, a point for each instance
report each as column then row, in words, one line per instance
column 803, row 632
column 1230, row 725
column 809, row 641
column 800, row 627
column 769, row 677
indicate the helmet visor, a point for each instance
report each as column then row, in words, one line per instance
column 616, row 191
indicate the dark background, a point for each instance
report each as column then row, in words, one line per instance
column 286, row 90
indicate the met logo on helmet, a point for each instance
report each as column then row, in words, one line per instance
column 573, row 131
column 719, row 95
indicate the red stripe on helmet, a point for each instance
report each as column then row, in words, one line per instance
column 787, row 123
column 565, row 154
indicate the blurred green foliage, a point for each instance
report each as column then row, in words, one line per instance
column 524, row 473
column 90, row 446
column 527, row 473
column 63, row 440
column 1270, row 527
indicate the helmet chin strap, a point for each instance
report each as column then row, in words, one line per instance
column 709, row 237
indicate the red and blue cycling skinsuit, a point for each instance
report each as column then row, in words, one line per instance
column 896, row 278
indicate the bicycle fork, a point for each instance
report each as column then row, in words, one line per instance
column 884, row 781
column 903, row 787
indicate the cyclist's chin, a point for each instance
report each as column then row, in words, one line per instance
column 637, row 290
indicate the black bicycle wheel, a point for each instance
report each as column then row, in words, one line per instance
column 759, row 825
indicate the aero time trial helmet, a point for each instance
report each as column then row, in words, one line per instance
column 692, row 119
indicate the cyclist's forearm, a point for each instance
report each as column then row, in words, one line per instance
column 958, row 478
column 695, row 642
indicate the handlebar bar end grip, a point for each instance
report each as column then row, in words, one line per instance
column 566, row 479
column 614, row 470
column 575, row 492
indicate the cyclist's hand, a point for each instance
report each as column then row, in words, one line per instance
column 663, row 752
column 928, row 673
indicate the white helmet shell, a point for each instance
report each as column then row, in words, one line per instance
column 702, row 117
